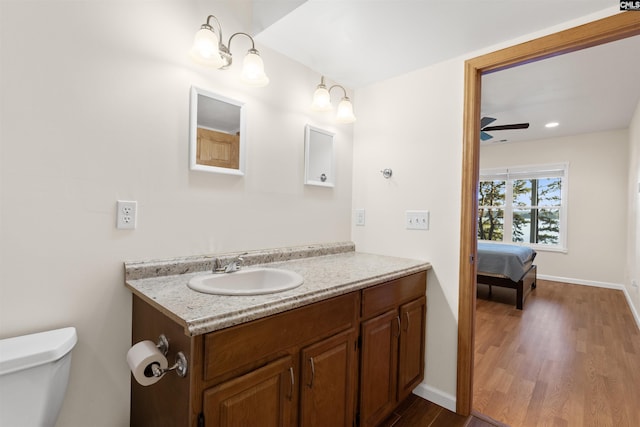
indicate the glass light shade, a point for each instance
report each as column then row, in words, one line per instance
column 253, row 70
column 205, row 49
column 345, row 111
column 321, row 99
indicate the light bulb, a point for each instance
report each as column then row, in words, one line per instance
column 321, row 99
column 345, row 111
column 253, row 70
column 205, row 48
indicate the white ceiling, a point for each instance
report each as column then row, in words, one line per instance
column 592, row 90
column 359, row 42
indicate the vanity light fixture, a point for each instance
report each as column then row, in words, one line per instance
column 209, row 50
column 322, row 102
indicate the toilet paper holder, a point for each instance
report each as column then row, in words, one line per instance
column 180, row 366
column 163, row 344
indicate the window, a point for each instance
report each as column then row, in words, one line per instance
column 524, row 205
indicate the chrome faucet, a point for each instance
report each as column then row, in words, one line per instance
column 233, row 265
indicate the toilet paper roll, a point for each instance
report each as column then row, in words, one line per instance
column 140, row 357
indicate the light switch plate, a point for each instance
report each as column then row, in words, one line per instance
column 359, row 215
column 417, row 220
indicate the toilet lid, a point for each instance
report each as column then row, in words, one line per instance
column 27, row 351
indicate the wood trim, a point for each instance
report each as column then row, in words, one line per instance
column 615, row 27
column 468, row 239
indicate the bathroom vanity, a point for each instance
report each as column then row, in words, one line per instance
column 343, row 349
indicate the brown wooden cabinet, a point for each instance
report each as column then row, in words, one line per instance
column 379, row 363
column 302, row 367
column 314, row 381
column 393, row 345
column 327, row 385
column 260, row 398
column 413, row 317
column 218, row 149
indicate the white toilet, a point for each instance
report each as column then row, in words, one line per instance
column 34, row 372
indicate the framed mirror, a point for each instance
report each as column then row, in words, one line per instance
column 319, row 167
column 216, row 133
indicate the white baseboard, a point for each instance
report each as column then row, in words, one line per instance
column 573, row 281
column 630, row 304
column 607, row 285
column 436, row 396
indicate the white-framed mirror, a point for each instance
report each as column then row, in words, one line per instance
column 319, row 164
column 217, row 140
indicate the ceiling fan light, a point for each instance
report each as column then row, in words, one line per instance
column 345, row 111
column 552, row 125
column 205, row 48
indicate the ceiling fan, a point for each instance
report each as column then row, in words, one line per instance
column 486, row 121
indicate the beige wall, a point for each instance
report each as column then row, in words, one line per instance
column 94, row 108
column 597, row 200
column 420, row 142
column 632, row 276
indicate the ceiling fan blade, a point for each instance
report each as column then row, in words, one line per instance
column 486, row 121
column 506, row 127
column 485, row 136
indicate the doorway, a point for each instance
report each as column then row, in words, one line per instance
column 605, row 30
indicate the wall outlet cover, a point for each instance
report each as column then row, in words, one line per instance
column 126, row 217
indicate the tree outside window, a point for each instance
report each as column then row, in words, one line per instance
column 491, row 201
column 522, row 206
column 536, row 213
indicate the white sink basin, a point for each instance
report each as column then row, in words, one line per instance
column 249, row 281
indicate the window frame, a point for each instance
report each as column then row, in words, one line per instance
column 513, row 173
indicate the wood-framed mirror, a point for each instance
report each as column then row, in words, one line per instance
column 216, row 133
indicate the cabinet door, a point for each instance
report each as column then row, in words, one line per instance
column 260, row 398
column 217, row 149
column 412, row 345
column 379, row 369
column 327, row 383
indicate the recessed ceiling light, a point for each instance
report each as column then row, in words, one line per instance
column 551, row 124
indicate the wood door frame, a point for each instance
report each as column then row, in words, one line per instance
column 615, row 27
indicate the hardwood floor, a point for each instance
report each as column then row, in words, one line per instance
column 417, row 412
column 570, row 358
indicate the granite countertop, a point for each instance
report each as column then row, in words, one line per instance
column 328, row 271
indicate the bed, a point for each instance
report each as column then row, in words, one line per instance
column 507, row 266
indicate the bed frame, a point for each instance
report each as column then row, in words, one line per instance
column 523, row 287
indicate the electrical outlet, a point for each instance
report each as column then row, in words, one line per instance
column 417, row 220
column 360, row 217
column 127, row 215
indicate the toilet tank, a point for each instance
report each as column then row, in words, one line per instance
column 34, row 372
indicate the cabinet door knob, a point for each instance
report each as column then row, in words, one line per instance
column 406, row 325
column 399, row 328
